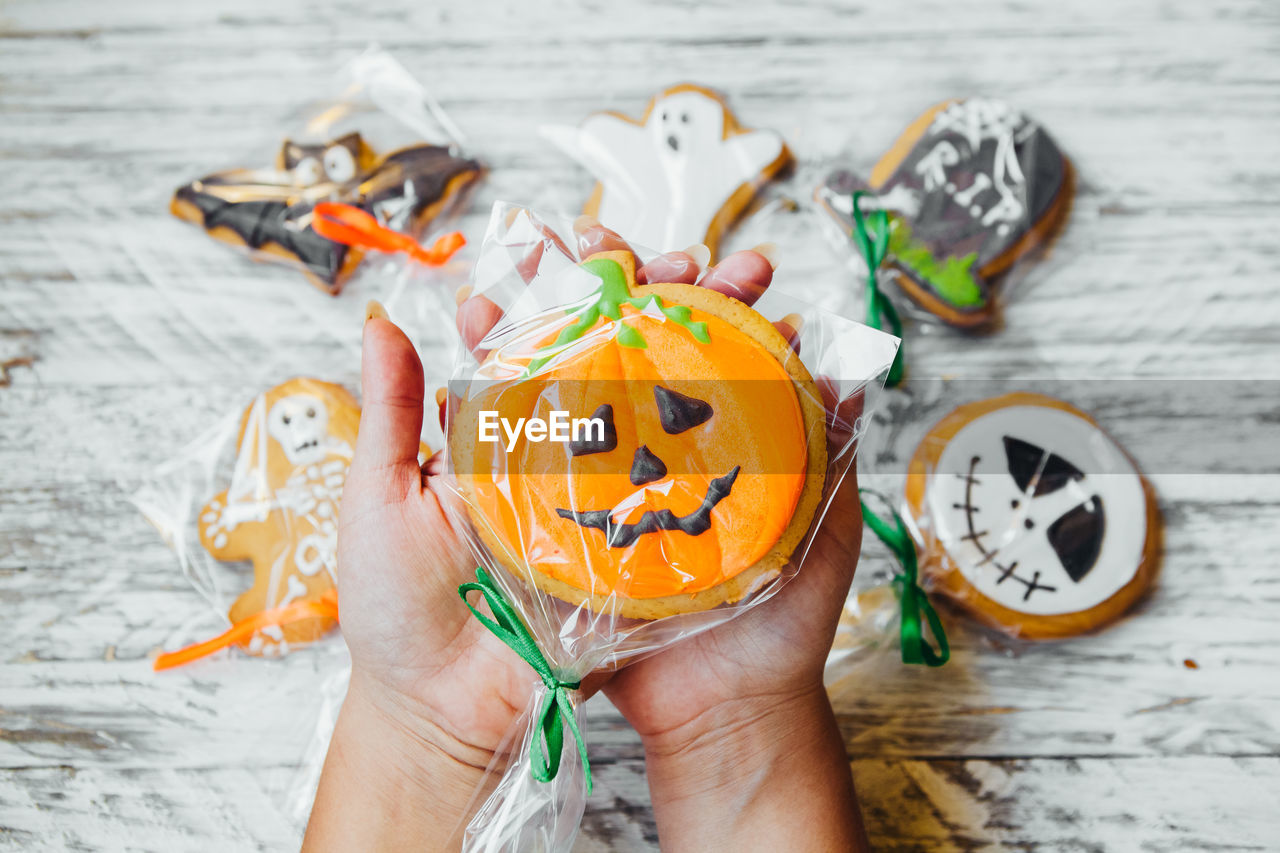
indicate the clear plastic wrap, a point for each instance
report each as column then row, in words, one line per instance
column 250, row 508
column 975, row 191
column 703, row 441
column 681, row 174
column 379, row 141
column 1030, row 518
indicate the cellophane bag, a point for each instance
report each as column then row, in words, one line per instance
column 688, row 451
column 976, row 192
column 377, row 139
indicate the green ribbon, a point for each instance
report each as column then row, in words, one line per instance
column 915, row 648
column 874, row 247
column 557, row 710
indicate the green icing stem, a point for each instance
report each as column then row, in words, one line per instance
column 952, row 279
column 609, row 299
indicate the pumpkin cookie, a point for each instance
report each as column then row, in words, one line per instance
column 702, row 475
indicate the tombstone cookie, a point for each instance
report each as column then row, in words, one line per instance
column 681, row 174
column 1035, row 520
column 269, row 211
column 973, row 187
column 281, row 509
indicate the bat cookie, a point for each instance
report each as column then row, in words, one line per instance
column 681, row 174
column 1038, row 523
column 703, row 477
column 972, row 187
column 269, row 211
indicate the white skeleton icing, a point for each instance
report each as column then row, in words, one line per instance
column 665, row 181
column 978, row 120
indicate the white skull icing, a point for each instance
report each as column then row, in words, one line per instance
column 1039, row 509
column 300, row 424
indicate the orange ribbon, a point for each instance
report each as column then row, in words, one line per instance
column 326, row 607
column 345, row 223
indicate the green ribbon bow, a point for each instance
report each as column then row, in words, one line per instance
column 557, row 710
column 915, row 648
column 874, row 247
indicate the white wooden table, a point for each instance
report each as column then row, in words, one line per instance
column 1168, row 269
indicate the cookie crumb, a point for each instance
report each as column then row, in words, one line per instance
column 1190, row 664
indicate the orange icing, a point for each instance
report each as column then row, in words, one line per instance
column 757, row 424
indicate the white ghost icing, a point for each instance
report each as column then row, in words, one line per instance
column 664, row 181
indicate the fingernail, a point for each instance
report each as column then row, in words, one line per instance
column 700, row 253
column 585, row 221
column 373, row 308
column 442, row 394
column 462, row 294
column 795, row 321
column 770, row 253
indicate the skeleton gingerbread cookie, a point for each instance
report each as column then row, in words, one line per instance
column 1036, row 521
column 281, row 509
column 269, row 211
column 973, row 187
column 682, row 174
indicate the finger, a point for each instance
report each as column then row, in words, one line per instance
column 742, row 275
column 527, row 266
column 475, row 318
column 594, row 238
column 843, row 411
column 789, row 327
column 676, row 267
column 391, row 420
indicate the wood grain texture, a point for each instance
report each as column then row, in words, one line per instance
column 141, row 337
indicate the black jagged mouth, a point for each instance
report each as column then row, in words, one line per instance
column 307, row 445
column 621, row 535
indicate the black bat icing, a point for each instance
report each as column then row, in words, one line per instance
column 625, row 535
column 1076, row 538
column 399, row 190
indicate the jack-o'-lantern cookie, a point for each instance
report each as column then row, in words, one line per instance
column 281, row 509
column 972, row 187
column 700, row 467
column 1036, row 521
column 681, row 174
column 269, row 211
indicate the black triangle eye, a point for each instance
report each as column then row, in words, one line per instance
column 677, row 412
column 1077, row 538
column 590, row 441
column 1024, row 460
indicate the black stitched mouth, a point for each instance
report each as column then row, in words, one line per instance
column 624, row 535
column 306, row 445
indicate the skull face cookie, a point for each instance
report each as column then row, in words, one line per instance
column 972, row 187
column 1036, row 521
column 281, row 509
column 681, row 174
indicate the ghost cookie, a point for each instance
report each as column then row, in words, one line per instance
column 681, row 174
column 269, row 211
column 1036, row 522
column 972, row 187
column 281, row 509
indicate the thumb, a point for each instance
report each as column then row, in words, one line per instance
column 386, row 459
